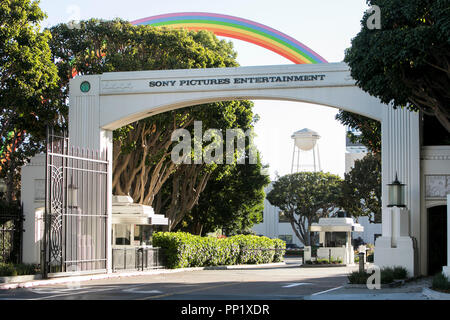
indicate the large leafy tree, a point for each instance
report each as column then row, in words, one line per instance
column 27, row 76
column 407, row 61
column 369, row 130
column 233, row 200
column 142, row 162
column 361, row 189
column 304, row 197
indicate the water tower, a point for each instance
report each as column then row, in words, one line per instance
column 305, row 146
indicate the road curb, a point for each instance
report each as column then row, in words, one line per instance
column 244, row 266
column 71, row 279
column 10, row 279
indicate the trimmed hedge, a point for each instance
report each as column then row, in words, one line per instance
column 9, row 269
column 184, row 250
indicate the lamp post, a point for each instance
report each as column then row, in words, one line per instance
column 396, row 191
column 399, row 215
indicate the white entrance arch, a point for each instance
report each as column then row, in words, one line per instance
column 100, row 104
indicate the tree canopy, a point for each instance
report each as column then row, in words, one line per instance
column 304, row 197
column 407, row 61
column 233, row 200
column 369, row 130
column 27, row 74
column 361, row 189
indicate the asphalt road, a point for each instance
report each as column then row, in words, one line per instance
column 287, row 282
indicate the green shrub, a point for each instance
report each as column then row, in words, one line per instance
column 184, row 250
column 8, row 269
column 400, row 272
column 280, row 245
column 249, row 245
column 357, row 277
column 370, row 258
column 387, row 275
column 440, row 282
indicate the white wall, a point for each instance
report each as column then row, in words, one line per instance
column 33, row 197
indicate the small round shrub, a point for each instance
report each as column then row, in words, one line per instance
column 387, row 275
column 441, row 282
column 357, row 277
column 400, row 272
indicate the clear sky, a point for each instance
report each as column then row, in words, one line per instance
column 326, row 26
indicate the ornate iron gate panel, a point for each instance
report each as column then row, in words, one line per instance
column 75, row 208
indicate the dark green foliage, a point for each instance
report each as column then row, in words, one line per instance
column 361, row 190
column 400, row 272
column 232, row 201
column 280, row 245
column 305, row 197
column 183, row 250
column 440, row 282
column 357, row 277
column 370, row 130
column 27, row 75
column 406, row 62
column 7, row 269
column 388, row 275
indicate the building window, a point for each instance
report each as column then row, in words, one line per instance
column 286, row 238
column 282, row 217
column 335, row 239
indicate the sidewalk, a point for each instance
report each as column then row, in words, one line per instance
column 414, row 290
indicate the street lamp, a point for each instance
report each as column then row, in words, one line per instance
column 396, row 191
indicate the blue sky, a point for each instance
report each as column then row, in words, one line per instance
column 326, row 26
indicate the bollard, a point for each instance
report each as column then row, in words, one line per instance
column 361, row 261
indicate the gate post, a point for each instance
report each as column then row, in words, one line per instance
column 400, row 154
column 85, row 131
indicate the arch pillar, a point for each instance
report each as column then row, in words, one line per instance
column 86, row 132
column 400, row 155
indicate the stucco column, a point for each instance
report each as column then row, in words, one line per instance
column 85, row 131
column 446, row 269
column 401, row 156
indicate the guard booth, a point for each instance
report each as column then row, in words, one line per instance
column 133, row 225
column 335, row 237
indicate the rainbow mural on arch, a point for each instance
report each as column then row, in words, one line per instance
column 237, row 28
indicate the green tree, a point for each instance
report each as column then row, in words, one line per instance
column 27, row 76
column 369, row 130
column 305, row 197
column 232, row 201
column 361, row 189
column 407, row 61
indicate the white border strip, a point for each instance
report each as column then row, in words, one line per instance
column 317, row 293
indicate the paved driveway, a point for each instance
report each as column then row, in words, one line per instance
column 255, row 283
